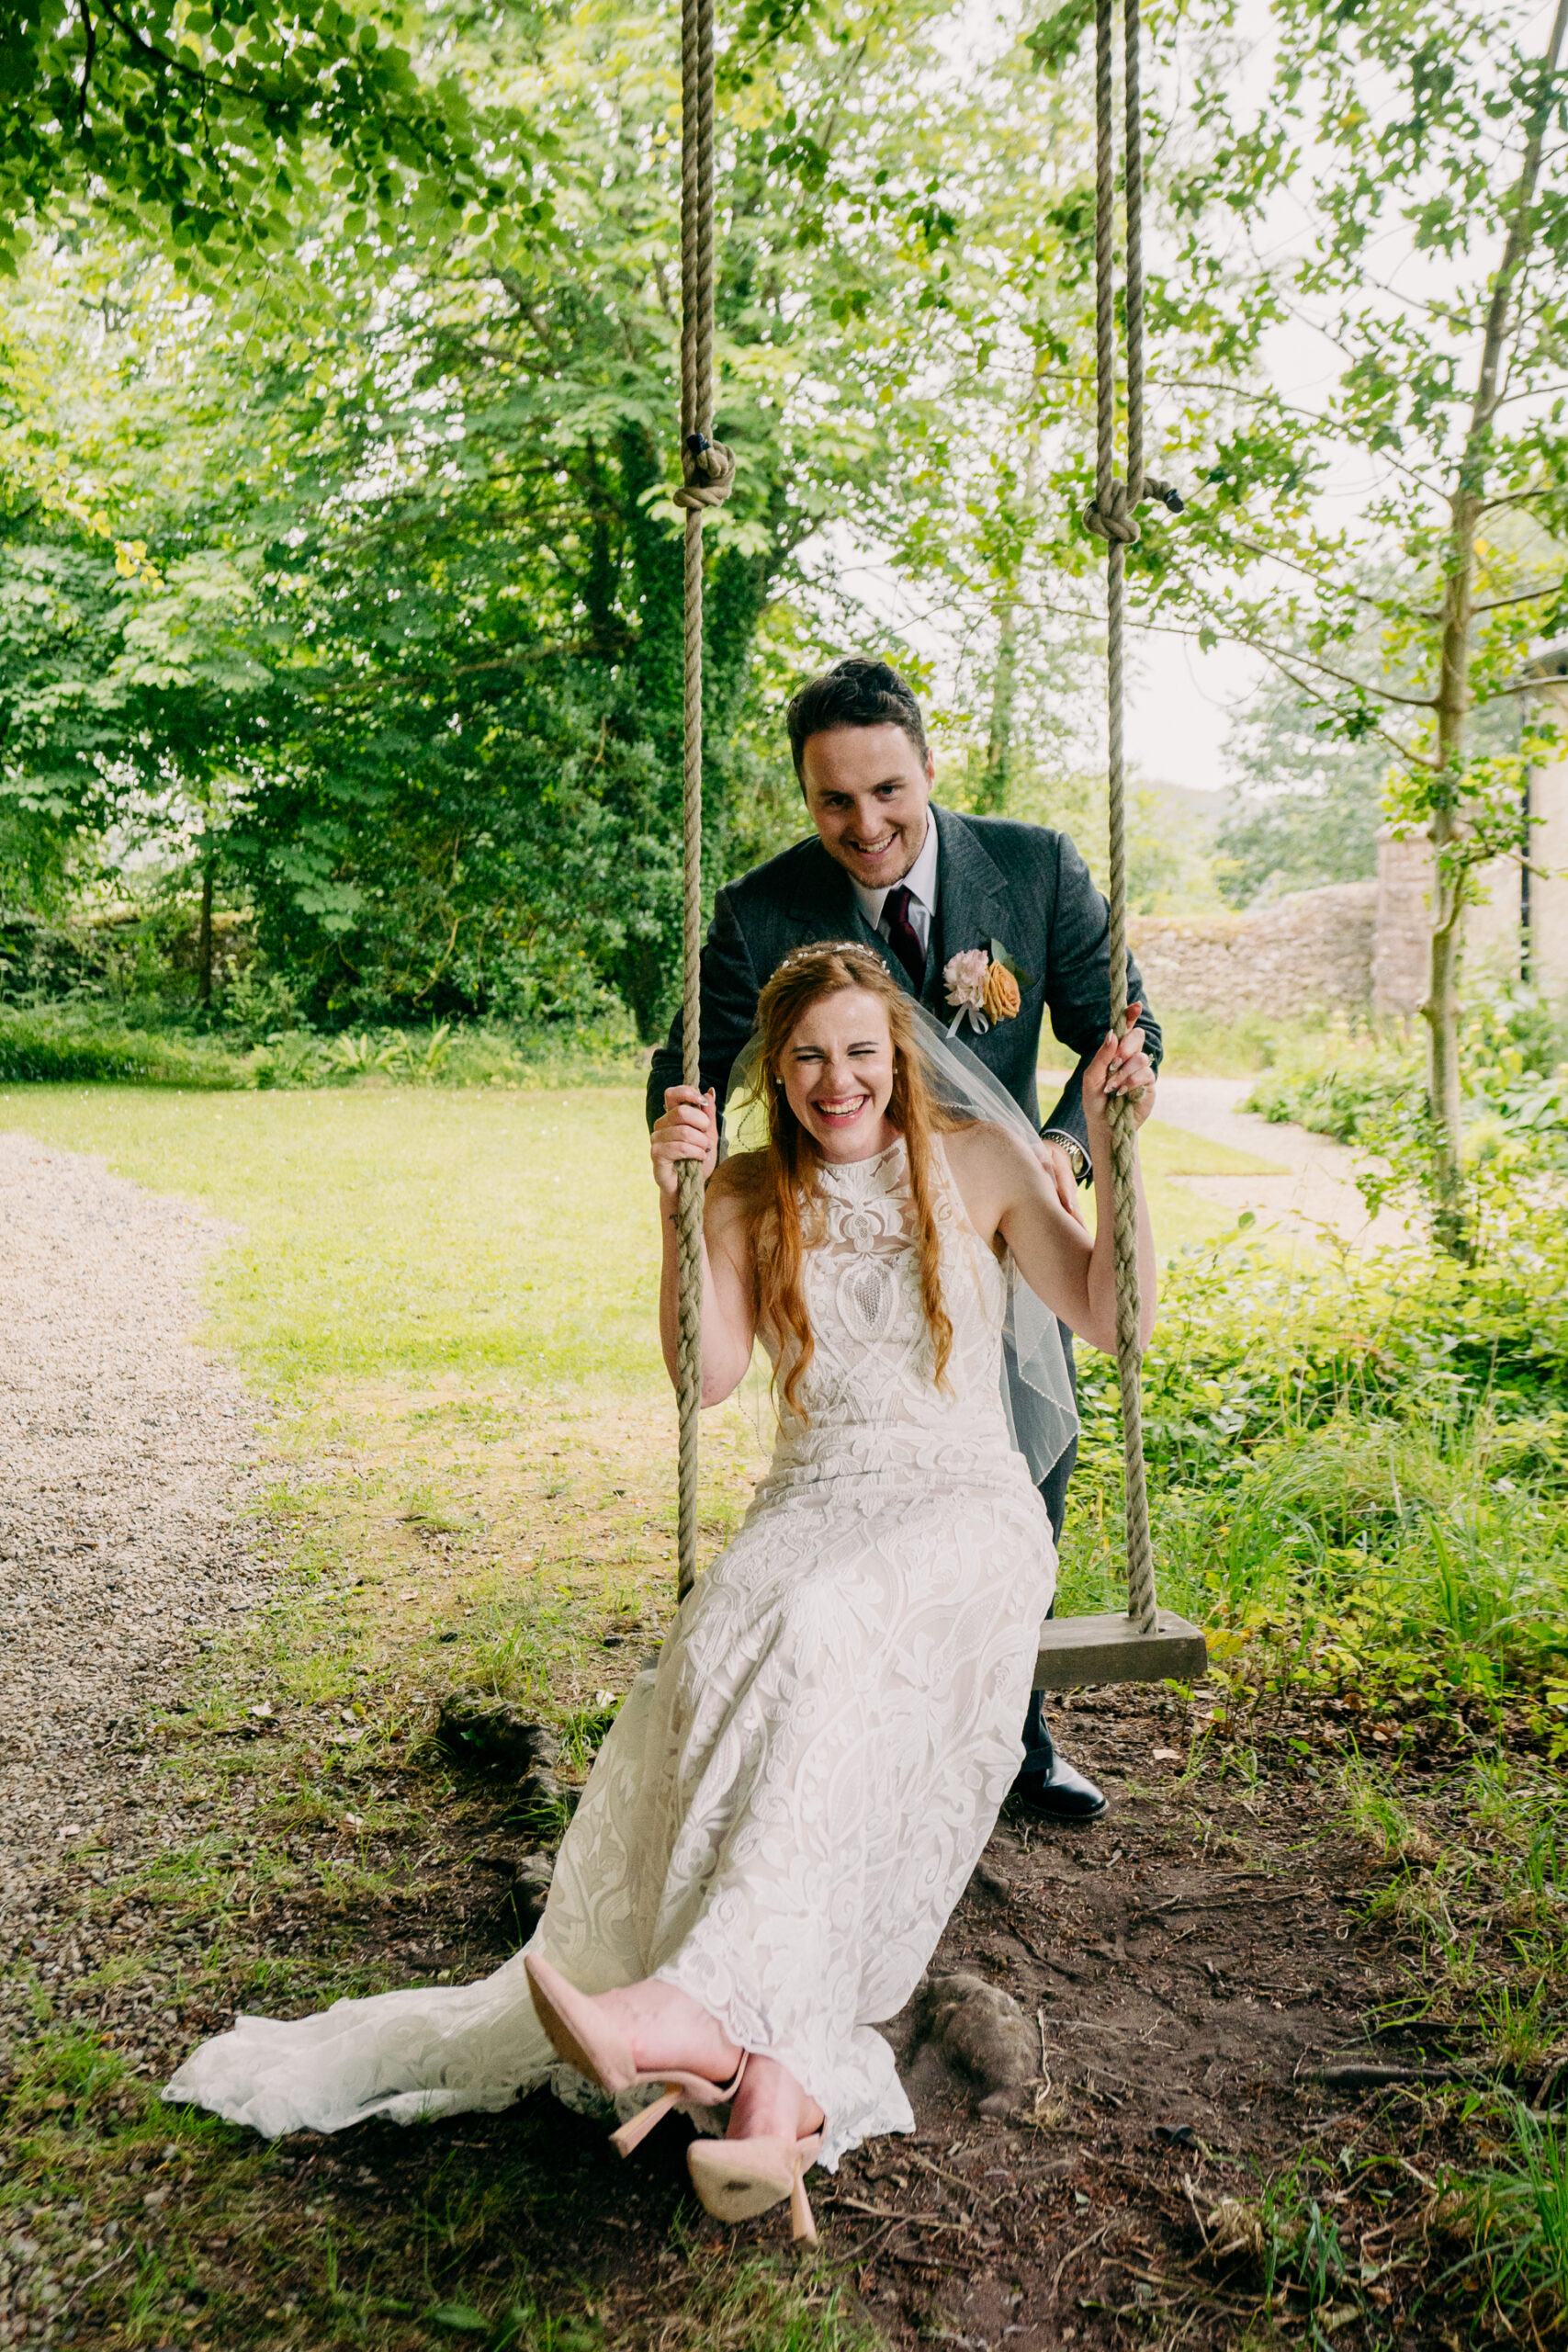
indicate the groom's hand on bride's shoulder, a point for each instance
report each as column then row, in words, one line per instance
column 688, row 1130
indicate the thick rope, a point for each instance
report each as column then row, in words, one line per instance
column 708, row 472
column 1112, row 518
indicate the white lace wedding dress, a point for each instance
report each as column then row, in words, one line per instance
column 790, row 1804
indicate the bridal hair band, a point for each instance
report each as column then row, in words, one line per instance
column 854, row 949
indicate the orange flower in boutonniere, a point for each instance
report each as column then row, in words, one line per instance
column 1003, row 996
column 987, row 986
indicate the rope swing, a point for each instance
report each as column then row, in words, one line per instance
column 1147, row 1643
column 707, row 473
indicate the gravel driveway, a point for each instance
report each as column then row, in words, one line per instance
column 125, row 1450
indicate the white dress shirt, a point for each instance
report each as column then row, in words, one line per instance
column 919, row 882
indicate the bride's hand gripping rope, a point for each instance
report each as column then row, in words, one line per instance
column 687, row 1130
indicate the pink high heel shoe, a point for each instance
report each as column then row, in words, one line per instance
column 579, row 2033
column 737, row 2178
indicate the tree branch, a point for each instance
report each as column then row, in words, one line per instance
column 1281, row 662
column 1294, row 563
column 89, row 53
column 1525, row 596
column 1326, row 669
column 1515, row 498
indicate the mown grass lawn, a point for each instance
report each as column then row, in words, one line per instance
column 409, row 1232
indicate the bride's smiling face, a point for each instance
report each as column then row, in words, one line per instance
column 838, row 1074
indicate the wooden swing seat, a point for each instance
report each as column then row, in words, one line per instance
column 1075, row 1651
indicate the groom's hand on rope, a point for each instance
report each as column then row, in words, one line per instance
column 688, row 1130
column 1121, row 1067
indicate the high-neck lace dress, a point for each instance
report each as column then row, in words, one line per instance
column 791, row 1802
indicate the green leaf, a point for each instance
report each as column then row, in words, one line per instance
column 1000, row 955
column 461, row 2315
column 1054, row 43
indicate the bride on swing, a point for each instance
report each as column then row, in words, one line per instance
column 789, row 1804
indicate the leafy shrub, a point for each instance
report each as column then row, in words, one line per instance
column 1364, row 1467
column 82, row 1044
column 1347, row 1098
column 1357, row 1087
column 71, row 1048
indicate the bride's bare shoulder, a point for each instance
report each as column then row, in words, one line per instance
column 980, row 1147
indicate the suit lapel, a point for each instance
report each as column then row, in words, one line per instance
column 971, row 905
column 971, row 901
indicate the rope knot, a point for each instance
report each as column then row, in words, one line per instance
column 1111, row 517
column 1116, row 519
column 709, row 470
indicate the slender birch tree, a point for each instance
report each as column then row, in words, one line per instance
column 1399, row 201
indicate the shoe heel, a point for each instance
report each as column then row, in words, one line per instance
column 802, row 2225
column 638, row 2126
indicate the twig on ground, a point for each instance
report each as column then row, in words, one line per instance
column 1073, row 2252
column 1192, row 2200
column 912, row 2221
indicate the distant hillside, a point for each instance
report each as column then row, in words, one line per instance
column 1202, row 810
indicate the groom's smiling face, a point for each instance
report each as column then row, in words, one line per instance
column 867, row 792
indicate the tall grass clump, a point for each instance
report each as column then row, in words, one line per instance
column 1516, row 2212
column 71, row 1046
column 1363, row 1466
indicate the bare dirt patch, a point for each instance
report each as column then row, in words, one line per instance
column 1191, row 1966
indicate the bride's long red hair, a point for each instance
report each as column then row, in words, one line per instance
column 779, row 1186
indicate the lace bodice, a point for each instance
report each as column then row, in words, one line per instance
column 872, row 1369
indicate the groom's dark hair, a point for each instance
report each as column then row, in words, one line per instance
column 854, row 692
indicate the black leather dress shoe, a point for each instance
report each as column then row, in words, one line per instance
column 1056, row 1793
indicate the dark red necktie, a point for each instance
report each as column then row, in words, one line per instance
column 902, row 936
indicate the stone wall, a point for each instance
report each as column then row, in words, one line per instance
column 1492, row 921
column 1400, row 948
column 1362, row 946
column 1314, row 948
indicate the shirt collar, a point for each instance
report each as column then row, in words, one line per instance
column 919, row 881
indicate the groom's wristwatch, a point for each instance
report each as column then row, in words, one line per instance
column 1077, row 1158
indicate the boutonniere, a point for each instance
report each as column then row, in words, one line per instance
column 985, row 984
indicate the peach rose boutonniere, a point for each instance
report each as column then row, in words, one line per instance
column 986, row 985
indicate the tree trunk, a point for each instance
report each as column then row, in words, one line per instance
column 991, row 800
column 204, row 935
column 1440, row 1010
column 1466, row 504
column 996, row 780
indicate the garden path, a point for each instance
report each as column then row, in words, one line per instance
column 123, row 1443
column 1314, row 1196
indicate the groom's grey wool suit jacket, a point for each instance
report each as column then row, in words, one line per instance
column 1023, row 885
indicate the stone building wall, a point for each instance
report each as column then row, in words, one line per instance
column 1312, row 949
column 1361, row 948
column 1492, row 941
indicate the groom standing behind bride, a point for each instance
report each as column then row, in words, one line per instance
column 921, row 884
